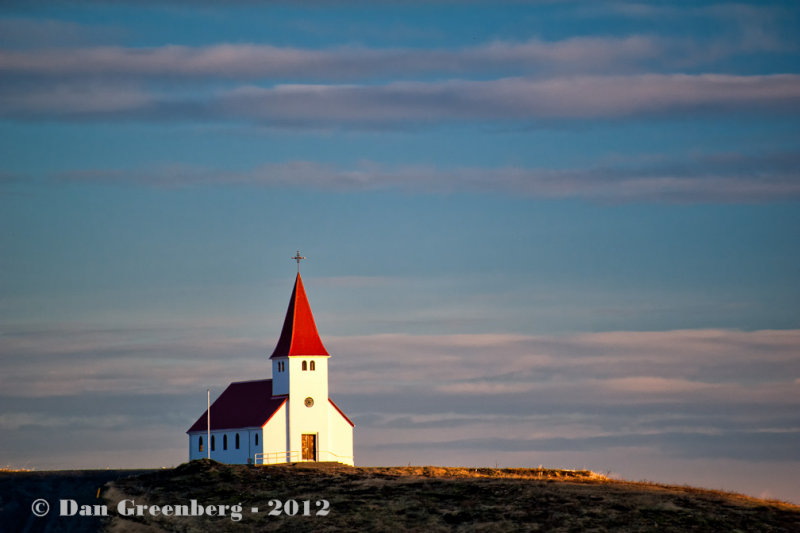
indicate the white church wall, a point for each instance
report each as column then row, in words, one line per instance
column 340, row 442
column 312, row 384
column 308, row 382
column 251, row 441
column 280, row 378
column 231, row 455
column 195, row 452
column 273, row 436
column 256, row 439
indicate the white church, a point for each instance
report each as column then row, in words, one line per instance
column 286, row 419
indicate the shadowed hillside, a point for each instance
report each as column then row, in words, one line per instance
column 19, row 489
column 434, row 499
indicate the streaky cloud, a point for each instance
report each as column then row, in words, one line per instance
column 726, row 178
column 256, row 61
column 402, row 104
column 514, row 99
column 780, row 446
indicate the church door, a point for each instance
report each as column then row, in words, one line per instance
column 309, row 447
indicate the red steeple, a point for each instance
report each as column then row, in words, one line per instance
column 299, row 334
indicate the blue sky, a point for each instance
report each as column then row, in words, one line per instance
column 573, row 225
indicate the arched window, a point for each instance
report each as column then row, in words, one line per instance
column 224, row 442
column 213, row 442
column 237, row 441
column 313, row 366
column 305, row 365
column 256, row 439
column 200, row 445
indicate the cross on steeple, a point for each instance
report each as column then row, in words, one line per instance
column 298, row 258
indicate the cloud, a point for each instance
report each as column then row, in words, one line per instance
column 73, row 360
column 73, row 100
column 401, row 104
column 515, row 99
column 627, row 362
column 263, row 61
column 747, row 27
column 780, row 446
column 614, row 365
column 698, row 178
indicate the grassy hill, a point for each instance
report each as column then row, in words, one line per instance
column 441, row 499
column 387, row 499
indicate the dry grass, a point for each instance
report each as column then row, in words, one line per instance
column 432, row 498
column 9, row 468
column 494, row 473
column 405, row 498
column 723, row 495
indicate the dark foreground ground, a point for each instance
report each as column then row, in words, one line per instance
column 290, row 498
column 18, row 490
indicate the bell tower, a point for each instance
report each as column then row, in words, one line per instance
column 300, row 372
column 300, row 351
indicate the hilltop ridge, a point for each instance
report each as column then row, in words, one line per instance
column 409, row 498
column 434, row 498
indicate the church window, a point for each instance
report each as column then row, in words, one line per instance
column 237, row 441
column 256, row 439
column 200, row 445
column 305, row 365
column 213, row 442
column 313, row 366
column 224, row 442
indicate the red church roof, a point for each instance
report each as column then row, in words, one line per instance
column 299, row 334
column 242, row 404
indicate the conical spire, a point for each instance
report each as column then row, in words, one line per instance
column 299, row 334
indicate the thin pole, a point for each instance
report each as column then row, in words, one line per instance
column 208, row 422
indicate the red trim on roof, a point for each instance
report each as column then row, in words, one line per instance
column 285, row 399
column 243, row 404
column 342, row 413
column 299, row 334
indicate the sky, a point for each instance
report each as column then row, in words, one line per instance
column 537, row 232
